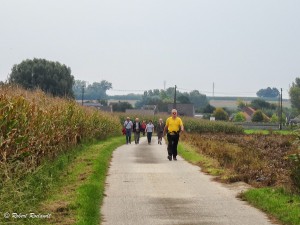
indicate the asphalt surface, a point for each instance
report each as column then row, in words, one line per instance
column 143, row 187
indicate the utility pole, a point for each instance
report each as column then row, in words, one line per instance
column 82, row 94
column 174, row 105
column 280, row 119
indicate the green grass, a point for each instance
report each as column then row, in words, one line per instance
column 278, row 203
column 90, row 195
column 23, row 195
column 207, row 164
column 284, row 132
column 70, row 188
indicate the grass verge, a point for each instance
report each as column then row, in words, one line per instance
column 207, row 164
column 283, row 132
column 276, row 202
column 67, row 191
column 279, row 204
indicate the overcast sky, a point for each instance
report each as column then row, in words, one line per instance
column 239, row 45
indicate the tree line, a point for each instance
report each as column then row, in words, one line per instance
column 56, row 79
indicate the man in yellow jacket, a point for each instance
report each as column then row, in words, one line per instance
column 173, row 128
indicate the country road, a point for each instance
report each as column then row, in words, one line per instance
column 143, row 187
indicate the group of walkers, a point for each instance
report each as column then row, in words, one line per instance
column 173, row 127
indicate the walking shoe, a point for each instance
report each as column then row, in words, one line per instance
column 174, row 158
column 170, row 157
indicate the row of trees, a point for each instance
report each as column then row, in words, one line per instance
column 56, row 79
column 162, row 97
column 268, row 93
column 94, row 91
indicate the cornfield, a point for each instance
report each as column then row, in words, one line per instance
column 34, row 126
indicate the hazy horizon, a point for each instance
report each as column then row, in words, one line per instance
column 240, row 46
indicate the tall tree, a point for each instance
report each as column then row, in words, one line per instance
column 268, row 93
column 198, row 99
column 94, row 91
column 294, row 93
column 52, row 77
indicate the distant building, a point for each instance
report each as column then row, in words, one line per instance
column 248, row 113
column 145, row 110
column 183, row 109
column 98, row 106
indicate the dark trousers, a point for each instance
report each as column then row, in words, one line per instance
column 172, row 144
column 128, row 136
column 149, row 136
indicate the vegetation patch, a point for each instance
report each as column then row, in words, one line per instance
column 74, row 194
column 261, row 160
column 35, row 127
column 281, row 204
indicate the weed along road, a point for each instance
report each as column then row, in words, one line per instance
column 143, row 187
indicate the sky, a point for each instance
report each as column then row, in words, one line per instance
column 236, row 46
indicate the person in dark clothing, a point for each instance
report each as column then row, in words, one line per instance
column 160, row 130
column 136, row 130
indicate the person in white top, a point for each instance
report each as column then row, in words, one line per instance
column 128, row 126
column 149, row 131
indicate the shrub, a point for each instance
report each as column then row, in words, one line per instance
column 258, row 116
column 239, row 117
column 220, row 114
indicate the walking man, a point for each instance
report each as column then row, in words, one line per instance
column 128, row 126
column 160, row 130
column 136, row 130
column 173, row 128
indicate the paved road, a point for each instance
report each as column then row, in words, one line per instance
column 145, row 188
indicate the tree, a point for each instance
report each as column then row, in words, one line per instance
column 268, row 93
column 262, row 104
column 241, row 104
column 121, row 106
column 183, row 99
column 258, row 116
column 199, row 100
column 220, row 114
column 239, row 117
column 209, row 109
column 51, row 77
column 294, row 93
column 94, row 91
